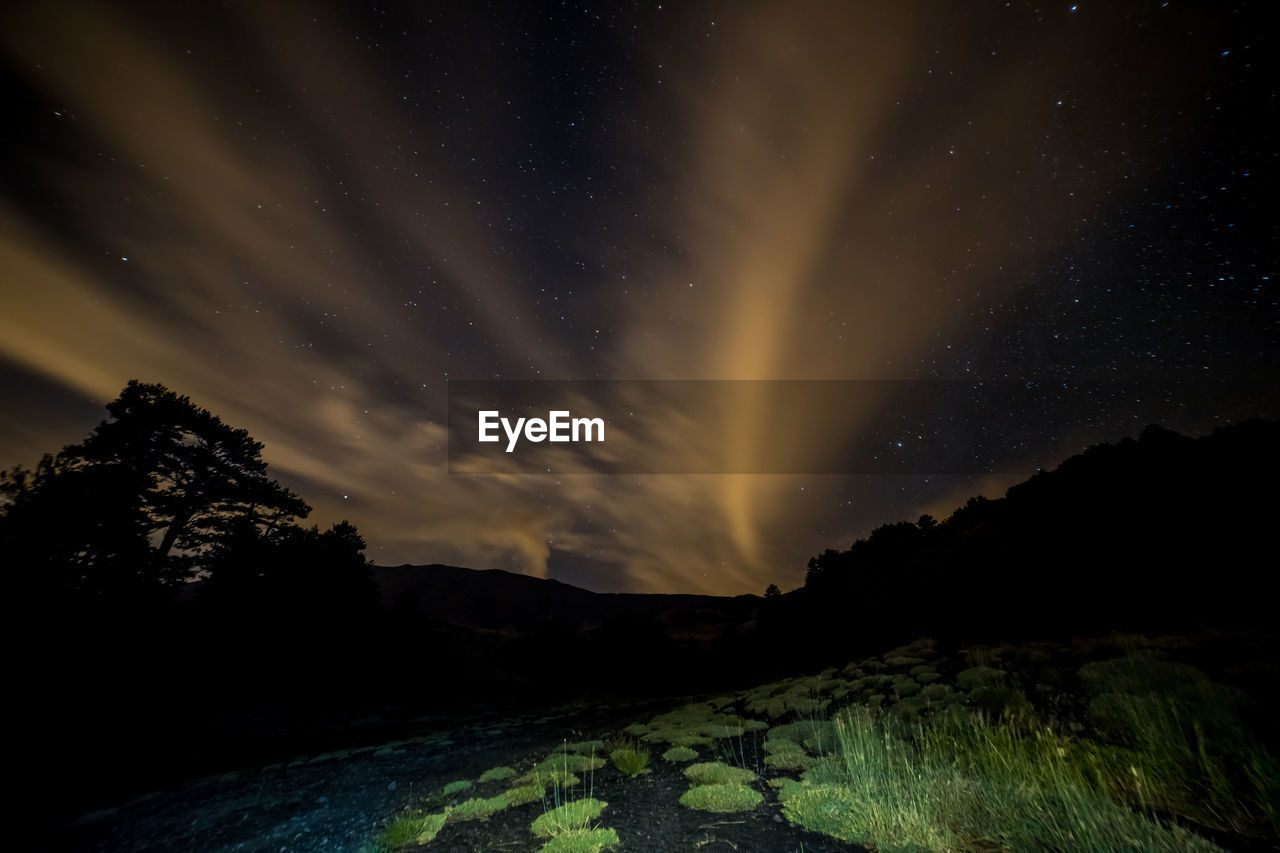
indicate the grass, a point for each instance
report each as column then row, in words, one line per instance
column 721, row 798
column 497, row 774
column 479, row 807
column 971, row 784
column 786, row 755
column 1181, row 734
column 413, row 828
column 680, row 753
column 559, row 769
column 718, row 773
column 572, row 816
column 630, row 759
column 582, row 841
column 522, row 794
column 1150, row 754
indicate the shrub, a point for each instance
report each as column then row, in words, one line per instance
column 721, row 798
column 680, row 753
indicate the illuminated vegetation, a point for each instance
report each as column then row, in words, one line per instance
column 721, row 798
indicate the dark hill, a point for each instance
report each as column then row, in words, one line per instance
column 498, row 600
column 1158, row 533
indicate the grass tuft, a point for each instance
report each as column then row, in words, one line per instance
column 680, row 753
column 727, row 797
column 718, row 773
column 576, row 815
column 970, row 783
column 524, row 794
column 630, row 759
column 413, row 829
column 479, row 807
column 582, row 841
column 497, row 774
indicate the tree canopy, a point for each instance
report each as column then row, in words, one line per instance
column 149, row 500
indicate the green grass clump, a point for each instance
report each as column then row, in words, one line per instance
column 479, row 807
column 786, row 755
column 935, row 692
column 727, row 797
column 454, row 787
column 412, row 829
column 1182, row 734
column 497, row 774
column 631, row 760
column 1001, row 700
column 904, row 687
column 524, row 794
column 718, row 773
column 966, row 783
column 798, row 731
column 978, row 676
column 575, row 815
column 548, row 777
column 559, row 769
column 680, row 753
column 582, row 841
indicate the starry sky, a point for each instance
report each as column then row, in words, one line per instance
column 310, row 217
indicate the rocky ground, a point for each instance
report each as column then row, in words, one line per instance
column 339, row 801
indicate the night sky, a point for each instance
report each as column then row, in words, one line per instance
column 310, row 217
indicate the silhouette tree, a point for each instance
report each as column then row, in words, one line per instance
column 141, row 502
column 772, row 591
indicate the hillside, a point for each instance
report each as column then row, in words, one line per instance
column 497, row 600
